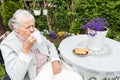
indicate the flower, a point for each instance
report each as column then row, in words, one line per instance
column 97, row 24
column 60, row 34
column 53, row 35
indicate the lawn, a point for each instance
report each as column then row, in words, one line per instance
column 2, row 72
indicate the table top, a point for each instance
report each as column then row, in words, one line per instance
column 109, row 63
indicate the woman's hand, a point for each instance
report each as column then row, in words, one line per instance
column 28, row 44
column 56, row 67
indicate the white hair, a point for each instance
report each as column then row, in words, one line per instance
column 18, row 17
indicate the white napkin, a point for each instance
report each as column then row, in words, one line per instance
column 67, row 75
column 47, row 74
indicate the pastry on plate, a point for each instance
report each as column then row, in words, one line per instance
column 80, row 51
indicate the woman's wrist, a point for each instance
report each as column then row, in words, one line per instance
column 25, row 51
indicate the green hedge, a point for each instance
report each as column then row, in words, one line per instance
column 8, row 7
column 108, row 9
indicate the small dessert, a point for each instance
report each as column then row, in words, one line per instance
column 81, row 51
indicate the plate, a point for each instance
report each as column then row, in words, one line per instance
column 104, row 51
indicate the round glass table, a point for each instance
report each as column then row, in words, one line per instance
column 90, row 66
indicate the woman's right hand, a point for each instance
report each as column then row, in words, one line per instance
column 28, row 44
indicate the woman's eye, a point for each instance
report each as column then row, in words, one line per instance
column 29, row 27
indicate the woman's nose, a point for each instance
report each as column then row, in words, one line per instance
column 31, row 29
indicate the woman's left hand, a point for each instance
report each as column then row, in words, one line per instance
column 56, row 67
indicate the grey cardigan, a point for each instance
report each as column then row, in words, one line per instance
column 20, row 66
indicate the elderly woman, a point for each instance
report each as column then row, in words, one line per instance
column 24, row 60
column 28, row 54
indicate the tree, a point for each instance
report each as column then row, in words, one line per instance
column 47, row 17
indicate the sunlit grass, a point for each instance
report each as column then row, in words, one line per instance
column 2, row 71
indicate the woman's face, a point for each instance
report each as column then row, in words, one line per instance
column 26, row 29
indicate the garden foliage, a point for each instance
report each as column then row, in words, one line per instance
column 8, row 7
column 69, row 15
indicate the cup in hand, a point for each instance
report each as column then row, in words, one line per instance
column 37, row 35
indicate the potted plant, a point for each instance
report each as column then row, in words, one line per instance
column 37, row 12
column 97, row 30
column 96, row 24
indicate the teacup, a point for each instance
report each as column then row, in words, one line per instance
column 37, row 35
